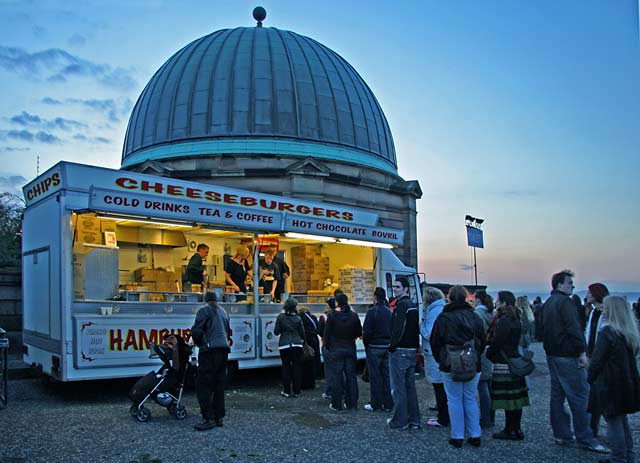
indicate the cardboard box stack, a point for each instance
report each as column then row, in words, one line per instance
column 309, row 269
column 156, row 279
column 87, row 229
column 357, row 283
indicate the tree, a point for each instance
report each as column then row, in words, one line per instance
column 11, row 207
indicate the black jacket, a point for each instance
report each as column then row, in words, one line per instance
column 193, row 272
column 456, row 325
column 613, row 374
column 561, row 333
column 506, row 337
column 341, row 330
column 405, row 325
column 376, row 330
column 289, row 328
column 310, row 324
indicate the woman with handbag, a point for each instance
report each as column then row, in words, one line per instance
column 613, row 375
column 289, row 328
column 509, row 391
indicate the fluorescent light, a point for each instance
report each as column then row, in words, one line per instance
column 153, row 222
column 303, row 236
column 371, row 244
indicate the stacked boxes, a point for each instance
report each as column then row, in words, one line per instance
column 358, row 284
column 156, row 279
column 87, row 229
column 309, row 268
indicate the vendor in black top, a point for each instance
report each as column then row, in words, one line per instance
column 235, row 272
column 269, row 274
column 195, row 273
column 284, row 273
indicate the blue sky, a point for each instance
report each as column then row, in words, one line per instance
column 523, row 113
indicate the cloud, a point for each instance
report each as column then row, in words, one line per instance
column 113, row 110
column 12, row 183
column 28, row 136
column 465, row 267
column 58, row 123
column 50, row 101
column 93, row 140
column 77, row 40
column 57, row 65
column 12, row 149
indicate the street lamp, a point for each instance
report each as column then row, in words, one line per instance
column 474, row 238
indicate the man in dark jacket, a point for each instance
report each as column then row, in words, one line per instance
column 376, row 335
column 565, row 346
column 340, row 333
column 405, row 340
column 211, row 333
column 284, row 272
column 195, row 272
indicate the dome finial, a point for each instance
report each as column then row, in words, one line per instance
column 259, row 14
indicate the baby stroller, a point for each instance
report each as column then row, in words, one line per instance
column 165, row 386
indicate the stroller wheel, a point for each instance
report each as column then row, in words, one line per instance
column 172, row 409
column 181, row 412
column 133, row 410
column 143, row 415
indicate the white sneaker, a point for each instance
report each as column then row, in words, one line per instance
column 331, row 407
column 326, row 396
column 284, row 394
column 368, row 407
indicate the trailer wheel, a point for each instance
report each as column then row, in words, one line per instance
column 181, row 412
column 143, row 415
column 133, row 410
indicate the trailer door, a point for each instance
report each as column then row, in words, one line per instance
column 37, row 283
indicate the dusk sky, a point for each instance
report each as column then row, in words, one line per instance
column 526, row 114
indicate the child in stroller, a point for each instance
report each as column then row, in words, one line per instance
column 165, row 386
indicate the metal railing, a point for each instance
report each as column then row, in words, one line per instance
column 4, row 367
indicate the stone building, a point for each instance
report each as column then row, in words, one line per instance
column 269, row 110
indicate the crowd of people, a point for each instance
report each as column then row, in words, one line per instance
column 476, row 356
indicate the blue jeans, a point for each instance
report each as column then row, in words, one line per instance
column 402, row 369
column 486, row 413
column 569, row 381
column 464, row 413
column 378, row 363
column 620, row 439
column 341, row 366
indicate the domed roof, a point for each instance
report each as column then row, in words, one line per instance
column 258, row 90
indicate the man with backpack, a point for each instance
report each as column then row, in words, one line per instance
column 212, row 334
column 457, row 340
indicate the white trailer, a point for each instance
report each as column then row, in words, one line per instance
column 85, row 316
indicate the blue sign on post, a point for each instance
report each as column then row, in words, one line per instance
column 474, row 237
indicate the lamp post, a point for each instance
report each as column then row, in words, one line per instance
column 474, row 239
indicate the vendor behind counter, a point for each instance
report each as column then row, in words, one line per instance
column 195, row 272
column 269, row 274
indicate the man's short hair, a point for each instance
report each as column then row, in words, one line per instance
column 380, row 294
column 210, row 296
column 558, row 278
column 201, row 246
column 458, row 294
column 404, row 281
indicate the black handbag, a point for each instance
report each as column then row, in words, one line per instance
column 308, row 352
column 520, row 366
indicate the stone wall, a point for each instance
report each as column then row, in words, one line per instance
column 11, row 307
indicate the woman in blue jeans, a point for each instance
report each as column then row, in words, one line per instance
column 456, row 326
column 614, row 378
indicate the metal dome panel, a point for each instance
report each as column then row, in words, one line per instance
column 257, row 84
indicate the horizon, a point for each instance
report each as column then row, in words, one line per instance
column 523, row 114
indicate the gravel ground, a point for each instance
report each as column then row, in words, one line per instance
column 89, row 421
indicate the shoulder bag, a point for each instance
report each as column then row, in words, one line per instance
column 520, row 366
